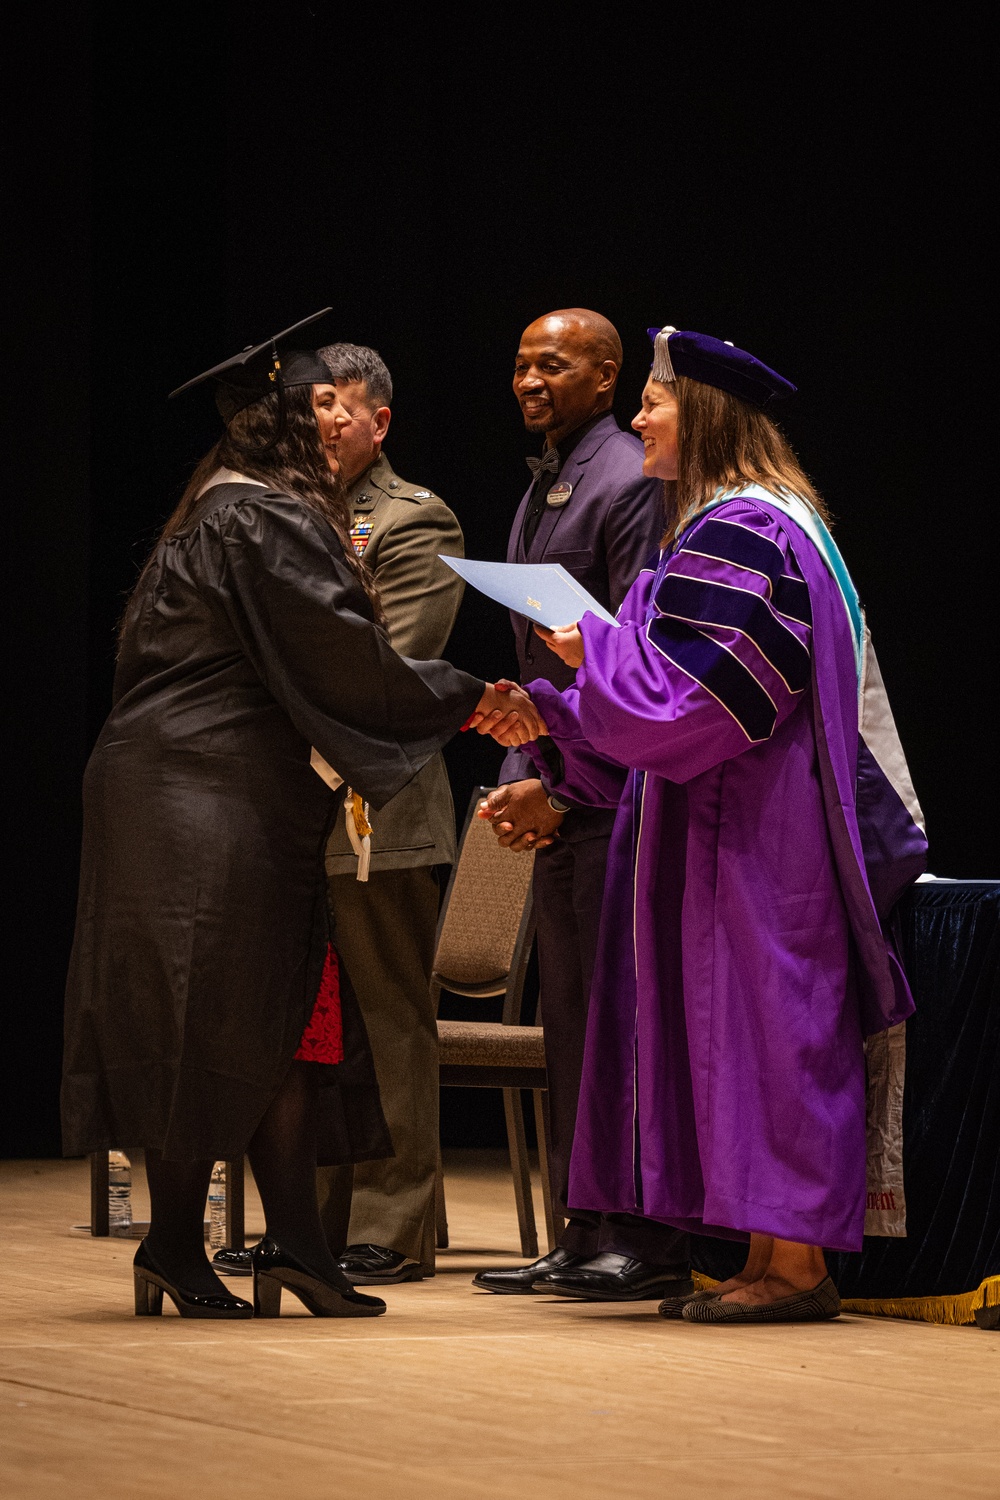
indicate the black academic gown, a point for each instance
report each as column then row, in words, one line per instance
column 202, row 924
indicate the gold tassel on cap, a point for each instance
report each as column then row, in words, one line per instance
column 359, row 830
column 360, row 809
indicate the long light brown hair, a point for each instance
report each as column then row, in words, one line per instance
column 724, row 443
column 294, row 464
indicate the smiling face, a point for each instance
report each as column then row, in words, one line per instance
column 656, row 424
column 559, row 377
column 331, row 419
column 360, row 439
column 351, row 430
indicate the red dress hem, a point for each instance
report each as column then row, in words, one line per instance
column 323, row 1039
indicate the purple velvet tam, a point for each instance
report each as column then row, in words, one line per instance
column 716, row 362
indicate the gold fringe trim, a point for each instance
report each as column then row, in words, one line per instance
column 952, row 1311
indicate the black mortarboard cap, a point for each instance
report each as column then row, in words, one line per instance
column 261, row 369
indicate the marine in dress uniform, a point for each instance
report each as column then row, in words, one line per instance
column 383, row 1211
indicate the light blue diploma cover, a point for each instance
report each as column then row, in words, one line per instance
column 541, row 591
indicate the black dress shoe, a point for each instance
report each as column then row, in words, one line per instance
column 374, row 1265
column 610, row 1277
column 149, row 1283
column 275, row 1270
column 228, row 1262
column 522, row 1279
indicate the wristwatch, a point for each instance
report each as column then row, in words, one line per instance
column 556, row 805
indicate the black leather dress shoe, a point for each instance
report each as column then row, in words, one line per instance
column 522, row 1279
column 228, row 1262
column 374, row 1265
column 610, row 1277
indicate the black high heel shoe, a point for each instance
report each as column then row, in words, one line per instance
column 150, row 1283
column 274, row 1269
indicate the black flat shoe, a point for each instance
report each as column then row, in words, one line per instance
column 274, row 1269
column 520, row 1280
column 233, row 1262
column 149, row 1284
column 374, row 1265
column 816, row 1306
column 610, row 1277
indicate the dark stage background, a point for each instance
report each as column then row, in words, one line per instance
column 190, row 178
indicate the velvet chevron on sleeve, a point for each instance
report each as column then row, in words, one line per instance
column 714, row 659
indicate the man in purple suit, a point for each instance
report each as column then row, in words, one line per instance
column 590, row 509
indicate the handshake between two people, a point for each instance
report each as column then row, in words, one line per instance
column 506, row 711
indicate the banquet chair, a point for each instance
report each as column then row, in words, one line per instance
column 485, row 934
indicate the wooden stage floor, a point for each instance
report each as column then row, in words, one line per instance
column 457, row 1394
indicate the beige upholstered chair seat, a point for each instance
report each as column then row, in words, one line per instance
column 484, row 942
column 490, row 1044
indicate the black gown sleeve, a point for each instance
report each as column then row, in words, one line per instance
column 305, row 624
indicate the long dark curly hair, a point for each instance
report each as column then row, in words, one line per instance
column 295, row 464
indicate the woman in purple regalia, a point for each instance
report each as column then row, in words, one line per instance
column 766, row 827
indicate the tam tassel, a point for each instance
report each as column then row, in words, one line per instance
column 663, row 370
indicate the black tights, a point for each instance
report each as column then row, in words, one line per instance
column 176, row 1238
column 282, row 1155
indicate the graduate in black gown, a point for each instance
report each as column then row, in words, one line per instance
column 207, row 1016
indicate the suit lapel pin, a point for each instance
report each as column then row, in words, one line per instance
column 558, row 495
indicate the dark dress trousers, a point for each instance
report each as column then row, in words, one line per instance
column 602, row 531
column 202, row 924
column 384, row 928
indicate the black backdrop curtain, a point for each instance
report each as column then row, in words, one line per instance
column 189, row 177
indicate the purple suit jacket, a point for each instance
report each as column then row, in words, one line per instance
column 603, row 535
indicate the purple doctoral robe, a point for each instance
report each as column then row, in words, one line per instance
column 760, row 845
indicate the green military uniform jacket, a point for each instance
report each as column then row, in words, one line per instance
column 399, row 528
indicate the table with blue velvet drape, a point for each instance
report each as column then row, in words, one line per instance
column 951, row 1116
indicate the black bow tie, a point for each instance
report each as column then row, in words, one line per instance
column 548, row 463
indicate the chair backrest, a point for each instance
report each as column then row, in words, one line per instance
column 485, row 928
